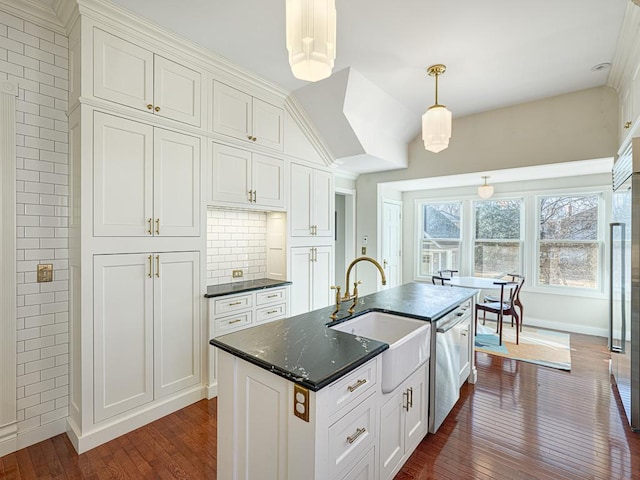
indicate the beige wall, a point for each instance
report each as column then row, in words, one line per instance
column 576, row 126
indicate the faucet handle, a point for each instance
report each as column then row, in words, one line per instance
column 337, row 289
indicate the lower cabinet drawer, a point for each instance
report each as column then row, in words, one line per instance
column 351, row 436
column 271, row 295
column 233, row 304
column 271, row 312
column 232, row 322
column 364, row 469
column 354, row 385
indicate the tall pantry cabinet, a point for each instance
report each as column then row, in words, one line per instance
column 137, row 333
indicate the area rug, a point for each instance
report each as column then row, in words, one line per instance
column 542, row 347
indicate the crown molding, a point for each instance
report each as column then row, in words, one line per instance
column 294, row 108
column 627, row 49
column 37, row 12
column 67, row 12
column 346, row 175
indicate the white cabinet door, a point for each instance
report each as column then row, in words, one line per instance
column 322, row 203
column 416, row 420
column 392, row 435
column 231, row 112
column 268, row 121
column 122, row 333
column 321, row 265
column 177, row 346
column 176, row 171
column 301, row 271
column 267, row 181
column 301, row 186
column 122, row 71
column 177, row 91
column 122, row 176
column 230, row 174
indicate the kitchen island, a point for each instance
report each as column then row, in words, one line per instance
column 298, row 399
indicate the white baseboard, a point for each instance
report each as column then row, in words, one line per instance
column 32, row 436
column 110, row 429
column 212, row 391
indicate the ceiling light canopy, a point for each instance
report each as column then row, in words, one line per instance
column 311, row 38
column 485, row 191
column 436, row 122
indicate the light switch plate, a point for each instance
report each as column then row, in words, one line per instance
column 237, row 273
column 45, row 272
column 364, row 250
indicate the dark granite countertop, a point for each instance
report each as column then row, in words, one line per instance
column 304, row 350
column 239, row 287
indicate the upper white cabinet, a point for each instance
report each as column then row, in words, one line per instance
column 311, row 206
column 146, row 328
column 240, row 177
column 240, row 115
column 131, row 75
column 146, row 180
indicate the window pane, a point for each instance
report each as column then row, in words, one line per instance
column 496, row 259
column 498, row 220
column 441, row 220
column 440, row 255
column 569, row 264
column 569, row 218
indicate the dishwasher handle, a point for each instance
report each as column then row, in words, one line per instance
column 457, row 319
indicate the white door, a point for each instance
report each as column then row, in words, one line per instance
column 122, row 71
column 231, row 112
column 177, row 91
column 322, row 276
column 268, row 121
column 391, row 434
column 301, row 289
column 176, row 171
column 322, row 203
column 230, row 174
column 122, row 176
column 392, row 242
column 267, row 180
column 122, row 333
column 177, row 346
column 300, row 205
column 416, row 421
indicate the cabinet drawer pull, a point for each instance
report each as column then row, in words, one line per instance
column 149, row 106
column 273, row 296
column 271, row 312
column 235, row 321
column 157, row 109
column 232, row 304
column 354, row 437
column 357, row 385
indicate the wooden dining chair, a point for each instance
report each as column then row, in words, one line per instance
column 515, row 298
column 504, row 306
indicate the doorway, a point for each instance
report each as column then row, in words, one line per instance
column 345, row 232
column 391, row 240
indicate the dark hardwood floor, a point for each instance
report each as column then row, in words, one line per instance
column 520, row 421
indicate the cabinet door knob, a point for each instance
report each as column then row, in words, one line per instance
column 254, row 139
column 149, row 106
column 249, row 137
column 157, row 109
column 627, row 124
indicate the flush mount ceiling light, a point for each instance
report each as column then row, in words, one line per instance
column 485, row 191
column 311, row 38
column 436, row 122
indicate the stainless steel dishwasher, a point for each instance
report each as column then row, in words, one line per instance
column 444, row 383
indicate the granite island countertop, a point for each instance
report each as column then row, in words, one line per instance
column 304, row 350
column 240, row 287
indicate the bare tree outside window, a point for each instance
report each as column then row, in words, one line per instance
column 498, row 245
column 569, row 241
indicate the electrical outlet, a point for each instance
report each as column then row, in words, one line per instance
column 237, row 274
column 45, row 272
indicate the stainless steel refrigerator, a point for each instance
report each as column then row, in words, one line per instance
column 624, row 281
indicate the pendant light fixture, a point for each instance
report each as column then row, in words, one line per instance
column 436, row 122
column 485, row 191
column 311, row 38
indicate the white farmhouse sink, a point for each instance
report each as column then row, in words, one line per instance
column 408, row 339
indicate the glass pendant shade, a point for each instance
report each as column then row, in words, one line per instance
column 485, row 191
column 436, row 128
column 311, row 38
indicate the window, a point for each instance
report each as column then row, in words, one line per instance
column 440, row 238
column 569, row 241
column 498, row 245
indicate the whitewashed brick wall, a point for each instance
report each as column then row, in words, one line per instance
column 236, row 239
column 37, row 59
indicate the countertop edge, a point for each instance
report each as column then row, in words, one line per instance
column 247, row 289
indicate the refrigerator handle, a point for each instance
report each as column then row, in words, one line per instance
column 623, row 293
column 611, row 257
